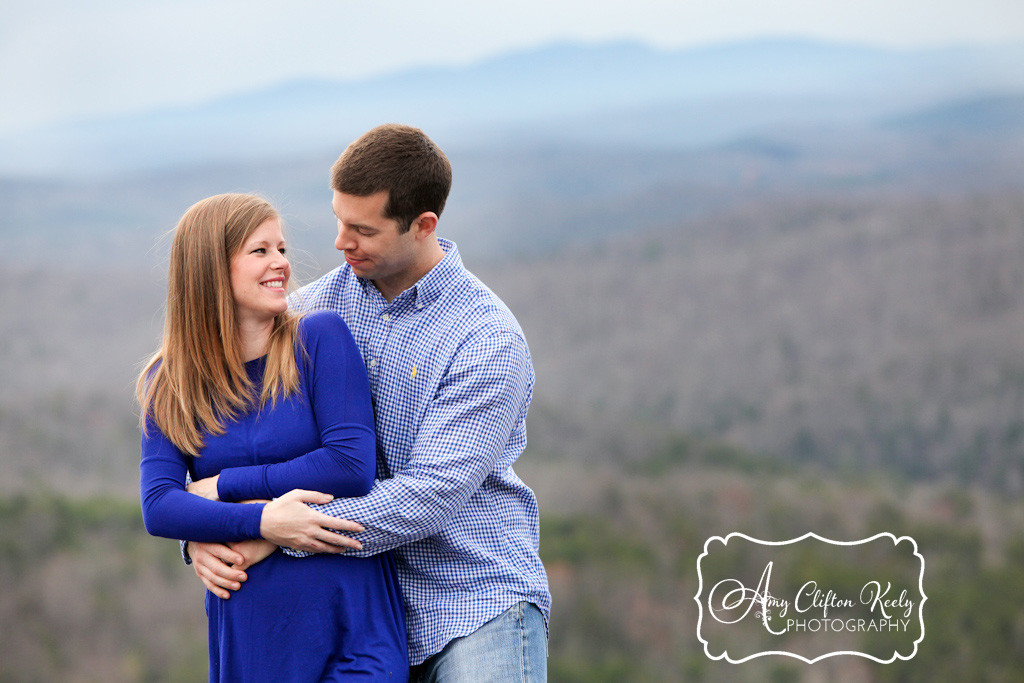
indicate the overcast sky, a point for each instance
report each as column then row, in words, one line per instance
column 77, row 58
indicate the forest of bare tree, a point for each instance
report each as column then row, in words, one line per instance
column 768, row 338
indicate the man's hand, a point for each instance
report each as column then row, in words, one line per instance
column 207, row 488
column 221, row 566
column 289, row 522
column 254, row 551
column 214, row 564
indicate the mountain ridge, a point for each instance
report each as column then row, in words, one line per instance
column 621, row 92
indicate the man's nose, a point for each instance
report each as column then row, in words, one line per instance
column 344, row 240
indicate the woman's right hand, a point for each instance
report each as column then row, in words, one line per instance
column 289, row 522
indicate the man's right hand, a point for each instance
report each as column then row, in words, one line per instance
column 289, row 522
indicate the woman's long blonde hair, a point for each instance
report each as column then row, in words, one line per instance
column 197, row 380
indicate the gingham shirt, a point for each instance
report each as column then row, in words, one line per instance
column 451, row 379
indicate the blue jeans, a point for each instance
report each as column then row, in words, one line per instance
column 512, row 647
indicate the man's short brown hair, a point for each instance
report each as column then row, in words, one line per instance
column 401, row 160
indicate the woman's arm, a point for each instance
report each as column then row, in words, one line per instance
column 168, row 510
column 339, row 393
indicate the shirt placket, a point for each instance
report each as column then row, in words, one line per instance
column 382, row 327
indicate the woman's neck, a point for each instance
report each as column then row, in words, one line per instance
column 254, row 337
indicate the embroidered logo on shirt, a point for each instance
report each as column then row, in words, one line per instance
column 413, row 375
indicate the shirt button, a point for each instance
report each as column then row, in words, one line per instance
column 419, row 305
column 385, row 317
column 373, row 362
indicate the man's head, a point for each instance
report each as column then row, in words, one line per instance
column 402, row 161
column 390, row 185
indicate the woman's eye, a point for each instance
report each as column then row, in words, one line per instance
column 261, row 250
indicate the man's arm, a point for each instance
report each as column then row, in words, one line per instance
column 287, row 521
column 473, row 419
column 475, row 416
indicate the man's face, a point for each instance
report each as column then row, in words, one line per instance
column 371, row 243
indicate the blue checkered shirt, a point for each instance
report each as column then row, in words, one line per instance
column 451, row 379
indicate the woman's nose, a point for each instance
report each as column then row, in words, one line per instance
column 279, row 261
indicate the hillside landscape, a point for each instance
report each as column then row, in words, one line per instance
column 784, row 324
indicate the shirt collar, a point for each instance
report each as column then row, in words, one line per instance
column 448, row 269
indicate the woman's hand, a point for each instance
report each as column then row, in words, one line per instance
column 288, row 521
column 207, row 488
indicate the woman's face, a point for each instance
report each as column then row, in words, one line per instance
column 259, row 274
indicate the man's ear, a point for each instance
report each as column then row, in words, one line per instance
column 425, row 224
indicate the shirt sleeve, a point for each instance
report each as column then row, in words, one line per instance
column 467, row 425
column 339, row 392
column 170, row 511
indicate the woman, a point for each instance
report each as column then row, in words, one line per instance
column 253, row 402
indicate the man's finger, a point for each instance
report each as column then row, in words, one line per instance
column 202, row 551
column 212, row 561
column 232, row 582
column 225, row 554
column 216, row 590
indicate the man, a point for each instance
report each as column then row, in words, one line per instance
column 451, row 379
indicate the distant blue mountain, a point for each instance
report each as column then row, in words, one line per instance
column 993, row 114
column 618, row 94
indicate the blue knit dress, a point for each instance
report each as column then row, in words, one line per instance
column 318, row 618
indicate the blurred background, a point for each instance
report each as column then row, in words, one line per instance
column 769, row 258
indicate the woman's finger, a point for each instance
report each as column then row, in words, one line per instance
column 304, row 496
column 338, row 523
column 337, row 540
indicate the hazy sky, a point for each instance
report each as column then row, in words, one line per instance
column 73, row 58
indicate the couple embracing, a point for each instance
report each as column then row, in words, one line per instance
column 341, row 468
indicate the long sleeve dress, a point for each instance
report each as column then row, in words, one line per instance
column 319, row 618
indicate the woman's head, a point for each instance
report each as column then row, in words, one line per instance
column 200, row 299
column 227, row 264
column 259, row 276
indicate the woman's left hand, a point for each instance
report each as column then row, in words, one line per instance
column 207, row 488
